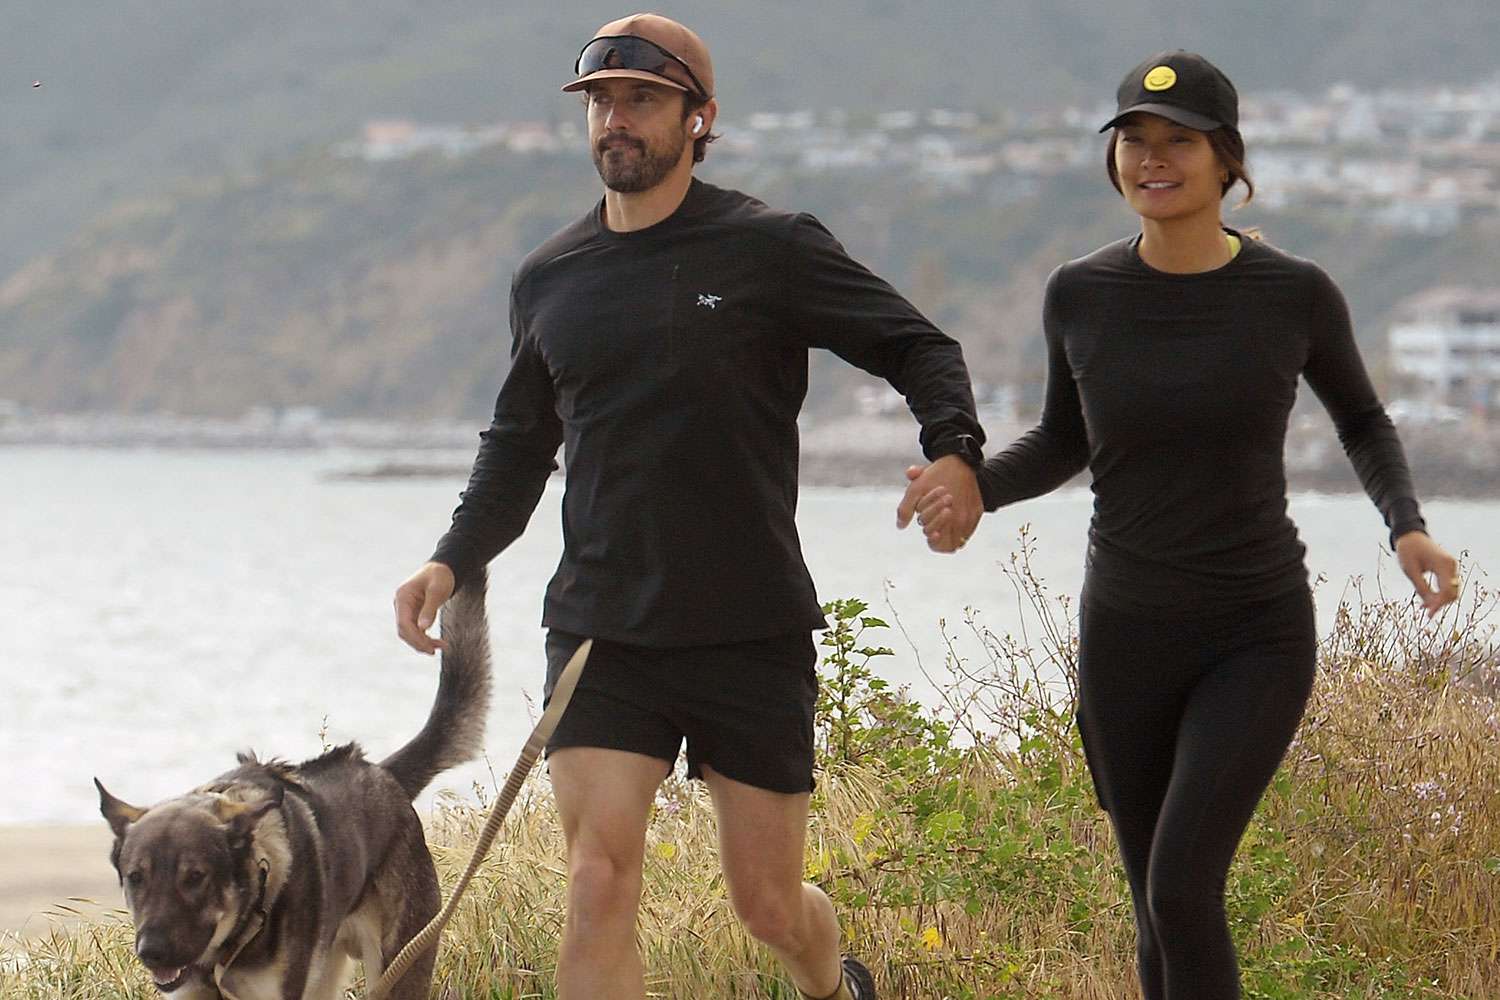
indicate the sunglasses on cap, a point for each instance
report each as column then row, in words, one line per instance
column 631, row 52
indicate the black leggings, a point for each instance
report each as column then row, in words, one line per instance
column 1184, row 723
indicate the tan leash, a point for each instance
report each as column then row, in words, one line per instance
column 562, row 693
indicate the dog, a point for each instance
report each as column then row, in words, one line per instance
column 267, row 882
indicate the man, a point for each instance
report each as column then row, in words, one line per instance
column 663, row 337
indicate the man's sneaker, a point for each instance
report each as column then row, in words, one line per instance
column 861, row 983
column 857, row 983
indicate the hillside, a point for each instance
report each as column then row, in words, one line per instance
column 380, row 288
column 138, row 95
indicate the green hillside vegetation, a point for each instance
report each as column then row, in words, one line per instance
column 139, row 93
column 322, row 281
column 380, row 289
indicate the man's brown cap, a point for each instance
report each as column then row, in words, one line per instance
column 666, row 34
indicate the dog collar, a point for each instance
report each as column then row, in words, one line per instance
column 252, row 921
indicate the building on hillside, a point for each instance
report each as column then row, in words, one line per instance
column 1445, row 349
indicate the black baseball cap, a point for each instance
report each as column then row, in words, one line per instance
column 1182, row 87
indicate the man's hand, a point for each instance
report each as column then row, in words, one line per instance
column 417, row 602
column 1419, row 555
column 944, row 498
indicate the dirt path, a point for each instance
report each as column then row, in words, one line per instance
column 43, row 866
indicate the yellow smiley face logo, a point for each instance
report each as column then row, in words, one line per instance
column 1161, row 78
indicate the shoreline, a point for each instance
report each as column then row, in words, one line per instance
column 1452, row 463
column 47, row 870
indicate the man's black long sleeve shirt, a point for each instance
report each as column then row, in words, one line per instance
column 672, row 363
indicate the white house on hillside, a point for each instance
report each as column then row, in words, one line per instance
column 1445, row 348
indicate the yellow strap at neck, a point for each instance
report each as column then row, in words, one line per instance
column 1234, row 245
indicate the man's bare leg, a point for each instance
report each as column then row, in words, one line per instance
column 762, row 835
column 604, row 798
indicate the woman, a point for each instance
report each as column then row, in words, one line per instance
column 1173, row 364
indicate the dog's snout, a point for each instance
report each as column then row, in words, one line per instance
column 151, row 948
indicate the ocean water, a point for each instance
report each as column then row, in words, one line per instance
column 167, row 608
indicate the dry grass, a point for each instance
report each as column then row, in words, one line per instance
column 977, row 866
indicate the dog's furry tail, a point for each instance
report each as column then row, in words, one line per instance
column 454, row 731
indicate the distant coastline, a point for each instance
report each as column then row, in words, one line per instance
column 1458, row 460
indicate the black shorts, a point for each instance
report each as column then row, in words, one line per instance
column 745, row 708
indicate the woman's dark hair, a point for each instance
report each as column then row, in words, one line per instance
column 1228, row 145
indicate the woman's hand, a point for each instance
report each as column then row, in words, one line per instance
column 1418, row 556
column 944, row 499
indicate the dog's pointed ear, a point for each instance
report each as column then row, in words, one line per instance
column 240, row 817
column 119, row 814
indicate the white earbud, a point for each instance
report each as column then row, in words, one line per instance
column 697, row 124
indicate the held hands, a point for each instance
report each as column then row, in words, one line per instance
column 1418, row 556
column 417, row 602
column 944, row 498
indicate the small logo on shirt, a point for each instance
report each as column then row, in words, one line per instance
column 712, row 301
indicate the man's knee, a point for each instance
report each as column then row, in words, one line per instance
column 602, row 884
column 774, row 918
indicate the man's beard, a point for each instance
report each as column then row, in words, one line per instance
column 632, row 174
